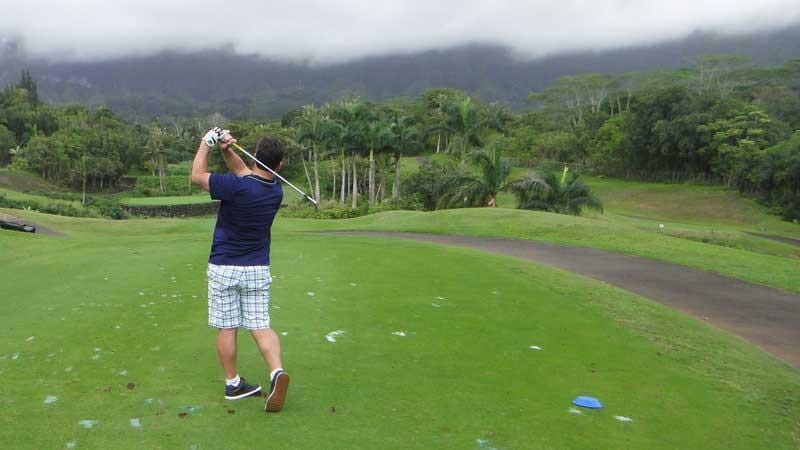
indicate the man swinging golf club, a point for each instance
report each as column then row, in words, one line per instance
column 238, row 268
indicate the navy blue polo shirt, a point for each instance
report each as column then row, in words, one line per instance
column 247, row 209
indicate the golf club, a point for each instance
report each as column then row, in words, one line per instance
column 276, row 174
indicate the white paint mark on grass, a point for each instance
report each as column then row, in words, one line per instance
column 310, row 294
column 485, row 444
column 136, row 422
column 331, row 337
column 50, row 399
column 30, row 339
column 399, row 333
column 435, row 305
column 440, row 298
column 623, row 419
column 535, row 347
column 87, row 423
column 70, row 444
column 575, row 411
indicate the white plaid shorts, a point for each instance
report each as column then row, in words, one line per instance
column 238, row 296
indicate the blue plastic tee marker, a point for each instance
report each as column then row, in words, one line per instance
column 587, row 402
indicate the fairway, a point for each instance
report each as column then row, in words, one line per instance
column 173, row 200
column 106, row 345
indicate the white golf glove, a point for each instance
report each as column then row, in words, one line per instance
column 213, row 136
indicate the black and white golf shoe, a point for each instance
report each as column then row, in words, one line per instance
column 277, row 392
column 241, row 390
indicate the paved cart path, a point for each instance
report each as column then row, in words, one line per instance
column 767, row 317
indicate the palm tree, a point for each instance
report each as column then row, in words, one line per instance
column 157, row 151
column 466, row 121
column 406, row 137
column 471, row 190
column 376, row 135
column 352, row 116
column 314, row 128
column 566, row 194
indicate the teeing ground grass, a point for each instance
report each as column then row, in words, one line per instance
column 110, row 321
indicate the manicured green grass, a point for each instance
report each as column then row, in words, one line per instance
column 111, row 321
column 176, row 200
column 689, row 204
column 710, row 214
column 37, row 199
column 597, row 232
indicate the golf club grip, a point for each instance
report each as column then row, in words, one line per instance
column 238, row 147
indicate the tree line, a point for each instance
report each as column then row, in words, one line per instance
column 722, row 120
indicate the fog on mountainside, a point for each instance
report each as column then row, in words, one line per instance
column 241, row 86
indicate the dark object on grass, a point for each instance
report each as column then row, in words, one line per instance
column 17, row 227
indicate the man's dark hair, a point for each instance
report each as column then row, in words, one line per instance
column 270, row 152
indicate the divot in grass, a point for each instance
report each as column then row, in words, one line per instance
column 331, row 337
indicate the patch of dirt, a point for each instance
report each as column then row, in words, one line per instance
column 767, row 317
column 39, row 229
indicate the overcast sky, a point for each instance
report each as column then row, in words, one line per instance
column 331, row 31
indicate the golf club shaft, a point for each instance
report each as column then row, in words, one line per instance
column 275, row 173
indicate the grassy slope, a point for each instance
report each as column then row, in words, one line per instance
column 598, row 232
column 708, row 214
column 38, row 199
column 463, row 373
column 176, row 200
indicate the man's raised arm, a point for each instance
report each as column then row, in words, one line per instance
column 232, row 160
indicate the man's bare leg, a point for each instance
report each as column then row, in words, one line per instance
column 226, row 349
column 270, row 346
